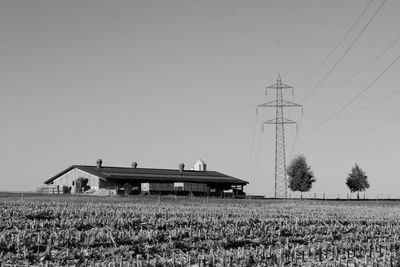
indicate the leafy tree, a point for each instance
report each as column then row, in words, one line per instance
column 300, row 175
column 127, row 189
column 82, row 185
column 357, row 180
column 66, row 189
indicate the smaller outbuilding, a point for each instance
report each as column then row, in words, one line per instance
column 133, row 180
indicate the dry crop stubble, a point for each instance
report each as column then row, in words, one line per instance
column 147, row 231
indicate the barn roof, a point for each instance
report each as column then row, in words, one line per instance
column 126, row 174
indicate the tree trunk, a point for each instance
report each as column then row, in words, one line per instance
column 358, row 195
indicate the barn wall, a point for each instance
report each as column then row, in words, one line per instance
column 177, row 186
column 73, row 175
column 109, row 185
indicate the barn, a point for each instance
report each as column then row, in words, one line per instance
column 134, row 180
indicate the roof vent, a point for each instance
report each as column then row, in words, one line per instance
column 134, row 165
column 98, row 163
column 181, row 167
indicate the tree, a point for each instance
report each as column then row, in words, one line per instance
column 300, row 175
column 357, row 180
column 66, row 189
column 127, row 189
column 82, row 185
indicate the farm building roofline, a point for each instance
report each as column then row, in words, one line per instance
column 154, row 175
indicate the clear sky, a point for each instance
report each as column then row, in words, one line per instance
column 165, row 82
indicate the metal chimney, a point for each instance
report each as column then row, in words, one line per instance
column 98, row 163
column 181, row 167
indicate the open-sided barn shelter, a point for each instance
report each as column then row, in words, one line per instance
column 134, row 180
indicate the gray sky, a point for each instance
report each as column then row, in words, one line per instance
column 164, row 82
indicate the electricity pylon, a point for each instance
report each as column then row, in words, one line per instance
column 281, row 183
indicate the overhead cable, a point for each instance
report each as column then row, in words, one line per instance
column 371, row 104
column 344, row 54
column 259, row 148
column 377, row 126
column 336, row 47
column 252, row 145
column 368, row 64
column 354, row 98
column 295, row 139
column 316, row 30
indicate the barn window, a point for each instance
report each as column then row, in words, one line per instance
column 178, row 186
column 73, row 182
column 145, row 187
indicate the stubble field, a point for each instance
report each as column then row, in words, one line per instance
column 152, row 231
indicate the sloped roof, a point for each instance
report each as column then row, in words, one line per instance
column 153, row 175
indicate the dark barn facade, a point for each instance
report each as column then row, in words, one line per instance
column 134, row 180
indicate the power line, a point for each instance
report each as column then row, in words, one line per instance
column 316, row 29
column 252, row 145
column 257, row 156
column 295, row 138
column 371, row 128
column 258, row 151
column 368, row 64
column 354, row 98
column 371, row 104
column 344, row 54
column 336, row 47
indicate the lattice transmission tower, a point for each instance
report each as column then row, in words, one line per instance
column 281, row 182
